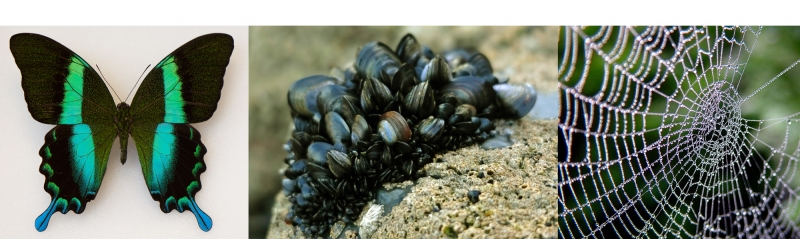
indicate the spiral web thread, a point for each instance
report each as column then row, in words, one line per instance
column 653, row 142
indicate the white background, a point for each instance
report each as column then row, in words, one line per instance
column 123, row 207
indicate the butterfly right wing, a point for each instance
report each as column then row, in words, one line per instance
column 61, row 88
column 182, row 88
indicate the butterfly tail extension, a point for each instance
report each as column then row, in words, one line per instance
column 44, row 219
column 203, row 220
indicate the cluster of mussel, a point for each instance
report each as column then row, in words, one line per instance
column 383, row 119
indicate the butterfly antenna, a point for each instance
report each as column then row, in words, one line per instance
column 137, row 82
column 104, row 79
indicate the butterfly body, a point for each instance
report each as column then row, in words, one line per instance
column 123, row 121
column 62, row 89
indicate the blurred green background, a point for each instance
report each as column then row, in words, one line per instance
column 281, row 55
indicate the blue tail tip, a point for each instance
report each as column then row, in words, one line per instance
column 44, row 219
column 203, row 220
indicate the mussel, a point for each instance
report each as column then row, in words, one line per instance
column 437, row 73
column 430, row 129
column 338, row 130
column 471, row 90
column 339, row 164
column 375, row 96
column 393, row 128
column 303, row 94
column 420, row 101
column 408, row 50
column 376, row 60
column 360, row 133
column 515, row 99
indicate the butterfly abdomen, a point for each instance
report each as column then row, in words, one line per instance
column 123, row 121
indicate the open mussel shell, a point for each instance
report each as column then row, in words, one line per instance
column 376, row 60
column 420, row 101
column 437, row 72
column 516, row 99
column 470, row 90
column 393, row 128
column 303, row 94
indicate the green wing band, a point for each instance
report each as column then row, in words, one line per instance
column 72, row 104
column 173, row 91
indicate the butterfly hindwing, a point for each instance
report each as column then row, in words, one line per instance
column 60, row 87
column 172, row 161
column 74, row 159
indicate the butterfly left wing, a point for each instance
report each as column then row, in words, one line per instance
column 183, row 88
column 61, row 88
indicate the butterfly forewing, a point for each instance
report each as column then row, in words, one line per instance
column 186, row 85
column 60, row 87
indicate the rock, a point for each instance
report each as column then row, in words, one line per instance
column 515, row 199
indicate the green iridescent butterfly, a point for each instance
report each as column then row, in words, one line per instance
column 62, row 89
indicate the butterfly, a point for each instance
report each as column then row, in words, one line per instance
column 64, row 90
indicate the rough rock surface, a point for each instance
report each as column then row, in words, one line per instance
column 517, row 200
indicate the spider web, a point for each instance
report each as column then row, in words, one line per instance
column 655, row 138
